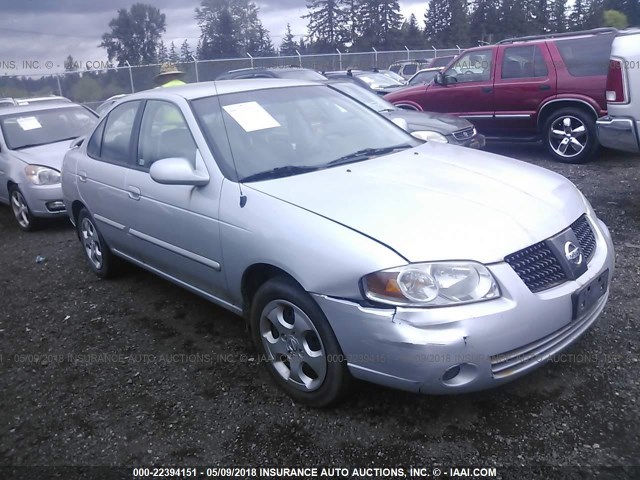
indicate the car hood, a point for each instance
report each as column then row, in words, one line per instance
column 438, row 202
column 49, row 155
column 399, row 94
column 437, row 122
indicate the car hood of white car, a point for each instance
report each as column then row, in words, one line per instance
column 48, row 155
column 438, row 202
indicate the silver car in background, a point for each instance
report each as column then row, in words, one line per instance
column 352, row 248
column 33, row 141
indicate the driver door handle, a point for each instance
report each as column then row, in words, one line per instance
column 134, row 193
column 82, row 176
column 487, row 89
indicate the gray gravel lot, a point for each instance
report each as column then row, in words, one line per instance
column 141, row 372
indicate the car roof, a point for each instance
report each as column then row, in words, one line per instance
column 192, row 91
column 265, row 69
column 37, row 107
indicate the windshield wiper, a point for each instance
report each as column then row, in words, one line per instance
column 280, row 172
column 365, row 154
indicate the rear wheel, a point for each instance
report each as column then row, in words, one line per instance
column 21, row 211
column 101, row 260
column 302, row 352
column 570, row 135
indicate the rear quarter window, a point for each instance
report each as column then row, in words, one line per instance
column 586, row 57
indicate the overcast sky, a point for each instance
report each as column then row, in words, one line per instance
column 47, row 31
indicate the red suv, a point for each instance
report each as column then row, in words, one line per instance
column 549, row 87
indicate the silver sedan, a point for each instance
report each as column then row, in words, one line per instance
column 351, row 248
column 33, row 141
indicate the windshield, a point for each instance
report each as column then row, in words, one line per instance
column 378, row 80
column 441, row 61
column 35, row 128
column 290, row 130
column 423, row 77
column 370, row 99
column 302, row 74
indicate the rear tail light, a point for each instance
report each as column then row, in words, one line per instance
column 616, row 88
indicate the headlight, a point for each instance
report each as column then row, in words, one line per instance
column 430, row 136
column 39, row 175
column 431, row 284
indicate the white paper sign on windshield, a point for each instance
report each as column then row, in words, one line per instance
column 28, row 123
column 251, row 116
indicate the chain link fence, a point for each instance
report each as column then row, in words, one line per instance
column 91, row 87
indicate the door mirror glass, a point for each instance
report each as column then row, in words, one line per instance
column 439, row 78
column 177, row 171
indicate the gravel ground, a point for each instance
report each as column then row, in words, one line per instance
column 141, row 372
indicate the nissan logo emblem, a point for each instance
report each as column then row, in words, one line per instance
column 572, row 253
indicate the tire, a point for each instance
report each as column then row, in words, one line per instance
column 103, row 263
column 569, row 134
column 21, row 211
column 308, row 365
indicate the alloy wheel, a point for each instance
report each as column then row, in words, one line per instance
column 91, row 242
column 20, row 209
column 293, row 345
column 568, row 136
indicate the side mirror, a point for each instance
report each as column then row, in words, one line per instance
column 439, row 78
column 177, row 171
column 401, row 122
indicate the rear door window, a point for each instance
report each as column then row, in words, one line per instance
column 523, row 62
column 410, row 69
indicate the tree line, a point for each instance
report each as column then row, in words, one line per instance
column 232, row 28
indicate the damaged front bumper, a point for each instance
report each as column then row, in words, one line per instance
column 467, row 347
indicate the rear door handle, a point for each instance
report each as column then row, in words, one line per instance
column 545, row 87
column 487, row 89
column 82, row 176
column 134, row 193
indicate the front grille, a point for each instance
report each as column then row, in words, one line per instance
column 538, row 266
column 586, row 237
column 464, row 134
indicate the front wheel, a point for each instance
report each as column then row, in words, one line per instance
column 21, row 211
column 570, row 136
column 302, row 353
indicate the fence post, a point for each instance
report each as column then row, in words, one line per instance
column 408, row 53
column 340, row 57
column 375, row 56
column 459, row 49
column 249, row 55
column 126, row 62
column 59, row 86
column 195, row 61
column 435, row 52
column 299, row 57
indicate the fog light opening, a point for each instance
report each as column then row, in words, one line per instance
column 451, row 373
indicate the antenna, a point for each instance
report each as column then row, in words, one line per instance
column 243, row 198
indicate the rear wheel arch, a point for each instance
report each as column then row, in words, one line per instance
column 76, row 208
column 554, row 105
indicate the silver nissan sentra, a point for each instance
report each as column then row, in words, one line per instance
column 352, row 248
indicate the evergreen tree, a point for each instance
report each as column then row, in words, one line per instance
column 447, row 23
column 380, row 23
column 484, row 23
column 578, row 15
column 185, row 52
column 328, row 27
column 162, row 55
column 558, row 16
column 513, row 19
column 173, row 54
column 412, row 34
column 288, row 46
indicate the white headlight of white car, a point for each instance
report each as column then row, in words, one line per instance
column 429, row 136
column 39, row 175
column 432, row 284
